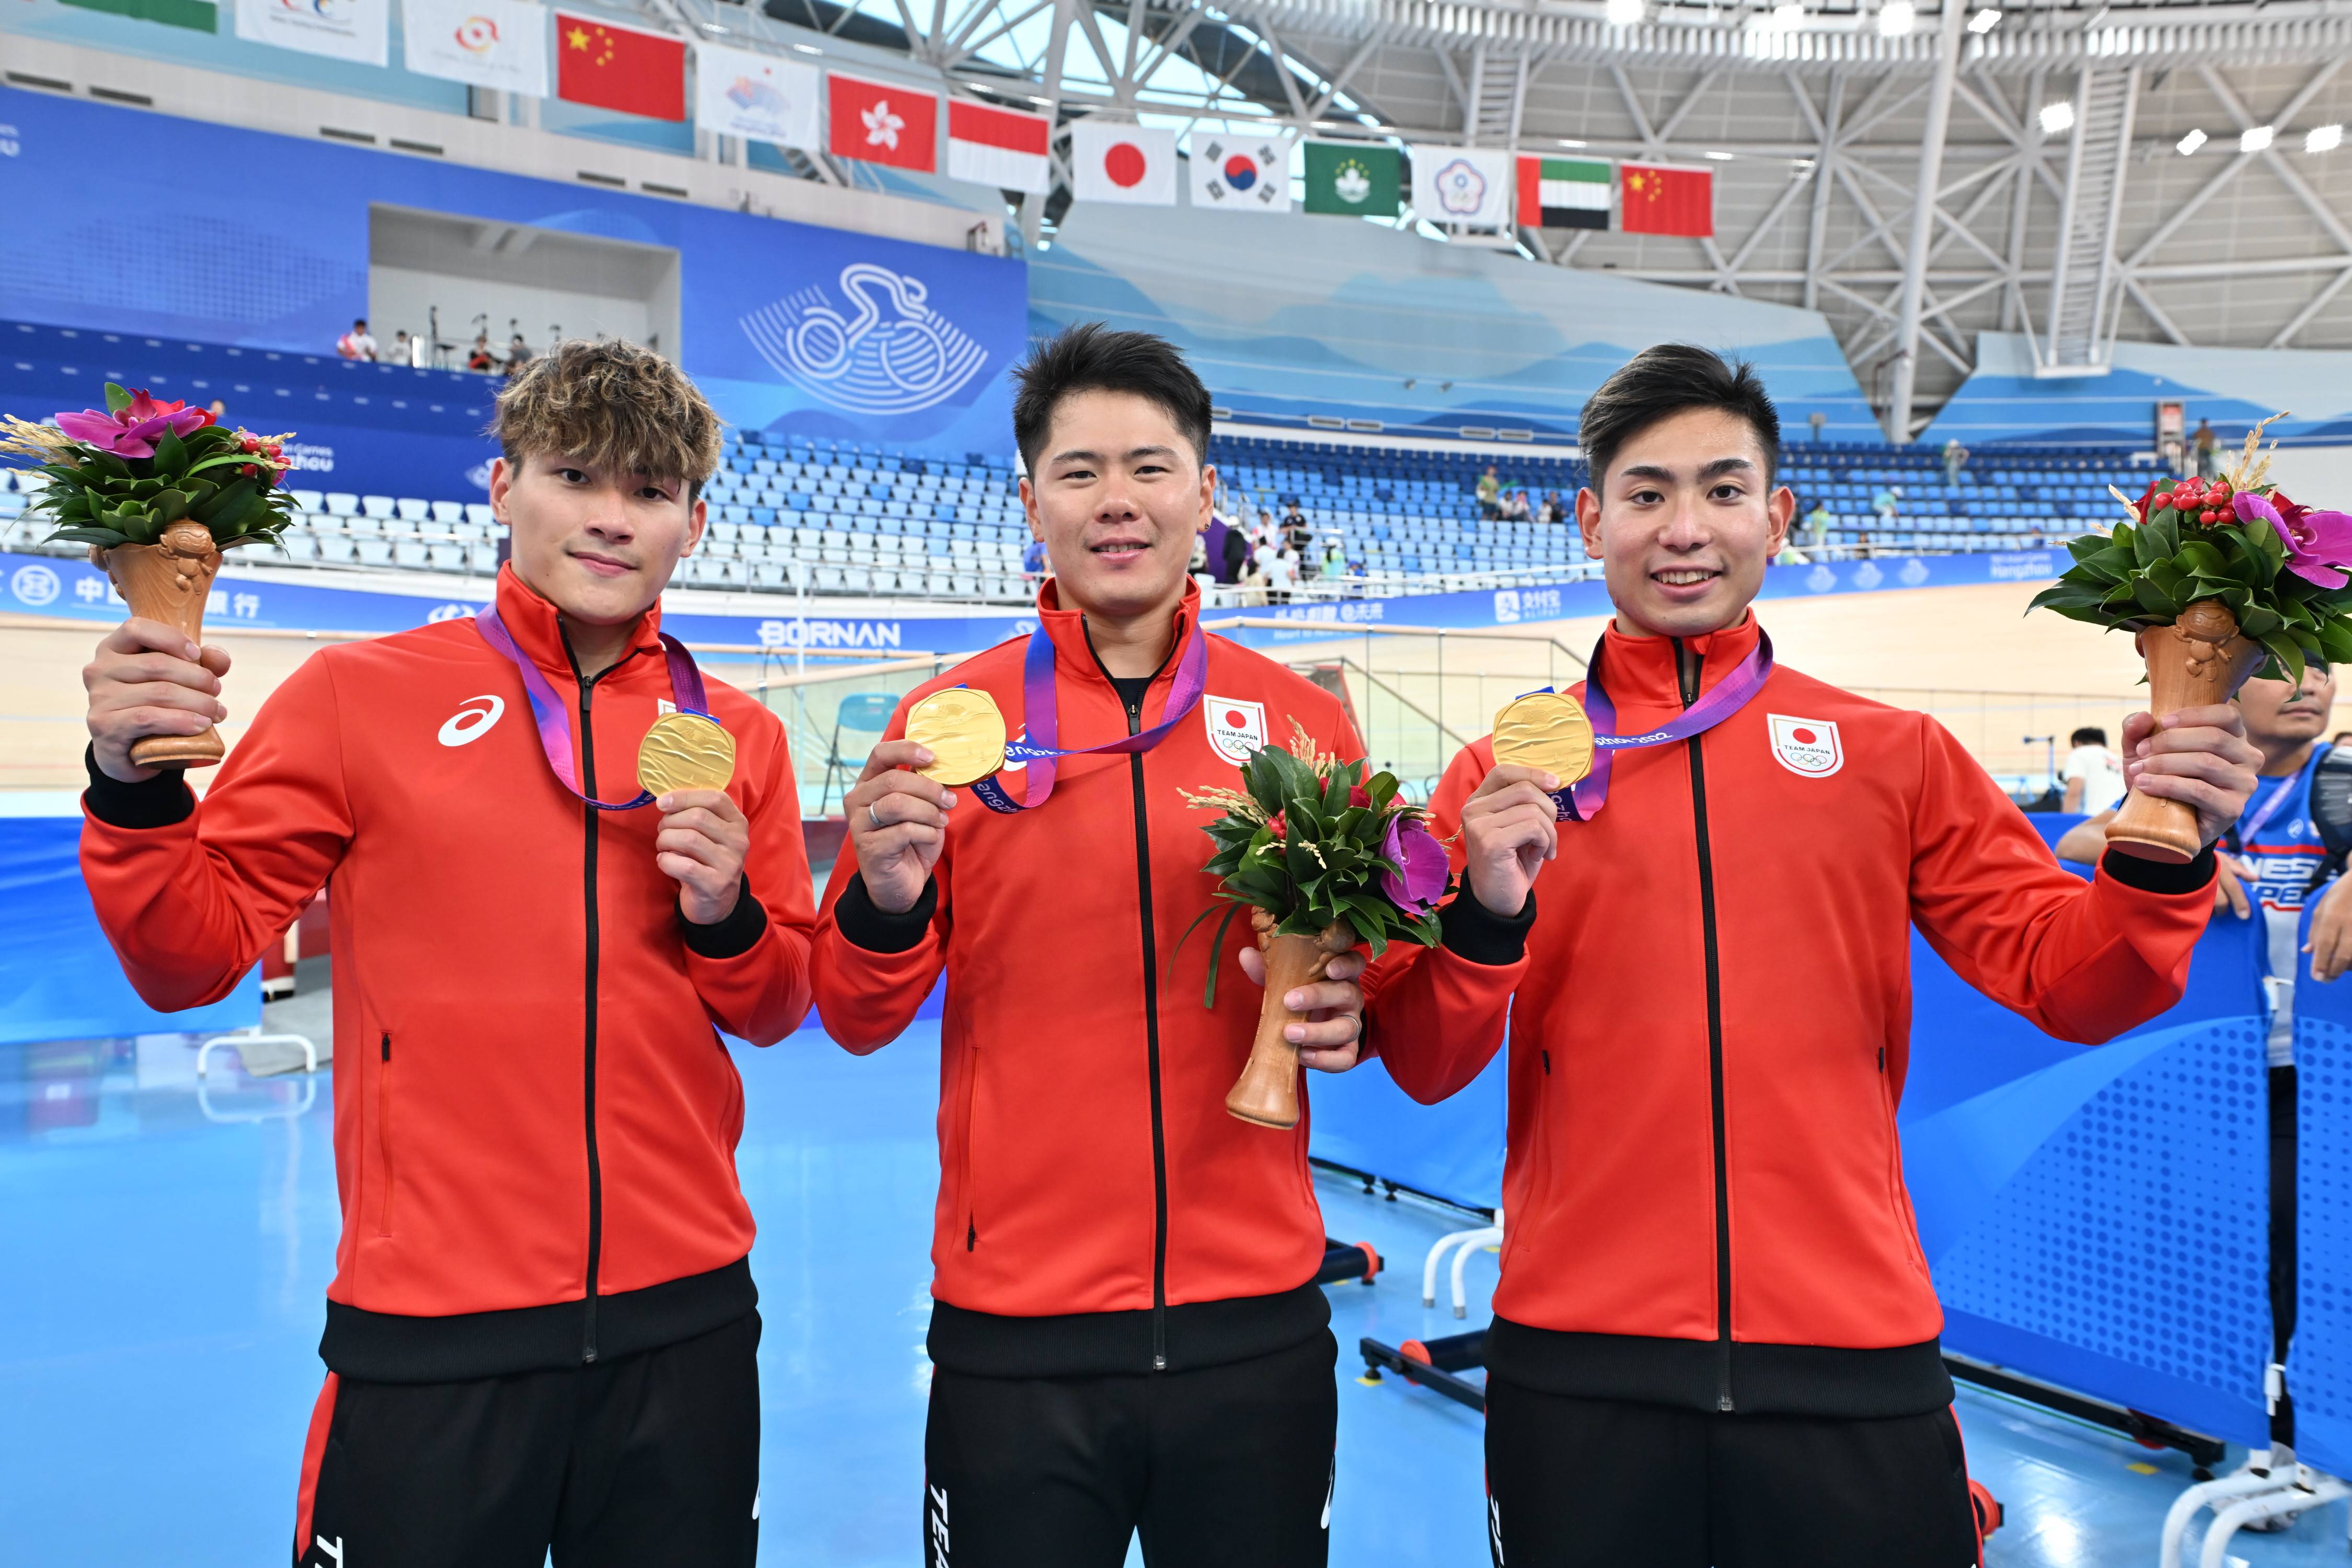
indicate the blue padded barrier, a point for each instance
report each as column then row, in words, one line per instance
column 59, row 977
column 2319, row 1364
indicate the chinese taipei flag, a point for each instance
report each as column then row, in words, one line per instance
column 1245, row 177
column 1131, row 163
column 619, row 69
column 1563, row 193
column 1662, row 199
column 881, row 123
column 1000, row 147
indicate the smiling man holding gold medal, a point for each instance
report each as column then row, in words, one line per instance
column 1123, row 1331
column 561, row 863
column 1715, row 1339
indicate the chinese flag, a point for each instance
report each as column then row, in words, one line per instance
column 881, row 123
column 609, row 66
column 1679, row 202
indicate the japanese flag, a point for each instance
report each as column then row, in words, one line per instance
column 1131, row 164
column 1251, row 176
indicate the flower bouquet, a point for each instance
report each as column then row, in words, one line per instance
column 2213, row 581
column 157, row 490
column 1324, row 859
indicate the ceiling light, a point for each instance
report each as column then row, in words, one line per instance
column 2323, row 139
column 1720, row 157
column 1566, row 142
column 2058, row 118
column 1984, row 21
column 1789, row 16
column 808, row 49
column 1896, row 19
column 1625, row 13
column 2255, row 139
column 2191, row 142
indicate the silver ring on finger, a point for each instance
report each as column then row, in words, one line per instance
column 873, row 817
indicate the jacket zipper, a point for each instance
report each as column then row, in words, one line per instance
column 1687, row 669
column 383, row 1135
column 588, row 887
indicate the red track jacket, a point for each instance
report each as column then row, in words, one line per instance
column 1703, row 1194
column 535, row 1121
column 1099, row 1210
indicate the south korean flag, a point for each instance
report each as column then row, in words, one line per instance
column 1247, row 176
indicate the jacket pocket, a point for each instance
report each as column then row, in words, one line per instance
column 966, row 1166
column 384, row 1133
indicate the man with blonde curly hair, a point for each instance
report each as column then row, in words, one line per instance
column 541, row 1328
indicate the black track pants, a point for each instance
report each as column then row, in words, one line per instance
column 650, row 1459
column 1226, row 1466
column 1572, row 1483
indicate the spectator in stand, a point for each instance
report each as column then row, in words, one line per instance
column 2206, row 443
column 479, row 358
column 1817, row 525
column 1790, row 555
column 1334, row 561
column 1033, row 562
column 400, row 353
column 219, row 410
column 1514, row 507
column 1554, row 509
column 1281, row 575
column 518, row 353
column 1236, row 556
column 1956, row 458
column 1299, row 533
column 356, row 343
column 1294, row 521
column 2094, row 775
column 1490, row 491
column 2341, row 736
column 1884, row 503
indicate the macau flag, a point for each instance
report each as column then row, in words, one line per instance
column 1354, row 179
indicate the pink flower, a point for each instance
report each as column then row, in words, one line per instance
column 134, row 431
column 1414, row 847
column 2318, row 543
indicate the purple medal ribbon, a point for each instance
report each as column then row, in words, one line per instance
column 2297, row 788
column 1583, row 800
column 1042, row 717
column 555, row 726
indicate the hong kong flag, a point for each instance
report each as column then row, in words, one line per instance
column 610, row 67
column 881, row 123
column 1666, row 200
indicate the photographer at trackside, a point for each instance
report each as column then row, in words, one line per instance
column 1715, row 1337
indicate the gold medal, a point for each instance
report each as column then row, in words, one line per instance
column 684, row 750
column 965, row 733
column 1546, row 730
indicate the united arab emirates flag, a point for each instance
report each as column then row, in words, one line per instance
column 1353, row 179
column 1563, row 193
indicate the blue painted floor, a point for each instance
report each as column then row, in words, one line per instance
column 164, row 1252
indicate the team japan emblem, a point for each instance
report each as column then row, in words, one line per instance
column 1235, row 728
column 1806, row 746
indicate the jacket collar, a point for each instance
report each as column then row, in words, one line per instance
column 533, row 622
column 1642, row 671
column 1076, row 657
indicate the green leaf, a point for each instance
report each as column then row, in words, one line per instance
column 117, row 400
column 2288, row 655
column 2154, row 600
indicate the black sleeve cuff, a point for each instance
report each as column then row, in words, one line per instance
column 733, row 937
column 1477, row 933
column 869, row 928
column 158, row 801
column 2159, row 876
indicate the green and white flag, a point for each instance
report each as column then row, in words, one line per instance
column 1563, row 193
column 1353, row 179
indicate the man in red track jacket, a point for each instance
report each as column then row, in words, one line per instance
column 541, row 1327
column 1714, row 1339
column 1123, row 1331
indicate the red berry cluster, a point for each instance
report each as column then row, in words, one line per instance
column 265, row 474
column 2195, row 502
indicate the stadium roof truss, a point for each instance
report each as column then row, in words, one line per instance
column 2162, row 170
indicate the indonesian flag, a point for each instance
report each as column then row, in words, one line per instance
column 1000, row 147
column 882, row 123
column 607, row 66
column 1131, row 163
column 1662, row 199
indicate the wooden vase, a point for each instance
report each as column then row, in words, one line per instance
column 1267, row 1092
column 169, row 581
column 2198, row 660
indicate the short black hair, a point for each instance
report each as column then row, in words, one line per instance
column 2088, row 735
column 1090, row 357
column 1667, row 379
